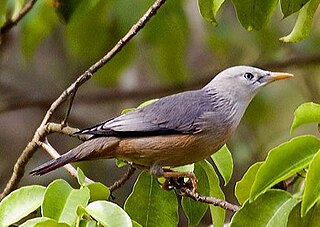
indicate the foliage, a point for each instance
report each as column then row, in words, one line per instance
column 149, row 205
column 294, row 157
column 77, row 20
column 262, row 202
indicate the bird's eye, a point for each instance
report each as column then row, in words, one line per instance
column 248, row 76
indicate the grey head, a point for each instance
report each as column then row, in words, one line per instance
column 241, row 83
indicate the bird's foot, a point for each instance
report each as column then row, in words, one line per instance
column 180, row 183
column 175, row 180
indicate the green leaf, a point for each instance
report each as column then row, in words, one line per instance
column 148, row 102
column 243, row 187
column 88, row 223
column 34, row 28
column 61, row 201
column 209, row 9
column 311, row 219
column 127, row 110
column 140, row 106
column 224, row 163
column 81, row 177
column 185, row 168
column 252, row 14
column 98, row 191
column 196, row 210
column 43, row 222
column 20, row 203
column 32, row 222
column 135, row 224
column 108, row 214
column 289, row 7
column 149, row 205
column 311, row 193
column 270, row 209
column 51, row 223
column 306, row 113
column 303, row 24
column 283, row 162
column 217, row 213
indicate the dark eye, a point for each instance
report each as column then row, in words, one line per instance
column 248, row 76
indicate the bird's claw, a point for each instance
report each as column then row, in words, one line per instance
column 179, row 183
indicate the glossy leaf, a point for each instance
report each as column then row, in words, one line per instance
column 196, row 210
column 185, row 168
column 61, row 201
column 148, row 102
column 311, row 193
column 88, row 223
column 289, row 7
column 149, row 205
column 311, row 219
column 20, row 203
column 303, row 24
column 98, row 191
column 32, row 222
column 224, row 163
column 135, row 224
column 34, row 28
column 81, row 177
column 108, row 214
column 243, row 187
column 252, row 14
column 270, row 209
column 283, row 162
column 217, row 213
column 305, row 114
column 209, row 9
column 43, row 222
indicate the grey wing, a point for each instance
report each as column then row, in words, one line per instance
column 173, row 114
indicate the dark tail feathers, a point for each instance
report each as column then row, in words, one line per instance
column 51, row 165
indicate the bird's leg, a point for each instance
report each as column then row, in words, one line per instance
column 173, row 179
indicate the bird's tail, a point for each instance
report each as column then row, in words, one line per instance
column 52, row 165
column 95, row 148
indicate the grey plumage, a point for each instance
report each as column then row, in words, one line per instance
column 177, row 129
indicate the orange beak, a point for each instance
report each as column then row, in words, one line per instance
column 278, row 76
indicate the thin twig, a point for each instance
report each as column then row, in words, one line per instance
column 207, row 199
column 73, row 95
column 14, row 20
column 65, row 130
column 41, row 133
column 123, row 179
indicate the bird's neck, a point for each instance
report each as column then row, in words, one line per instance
column 229, row 104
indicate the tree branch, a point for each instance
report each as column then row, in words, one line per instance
column 10, row 23
column 123, row 179
column 207, row 199
column 41, row 132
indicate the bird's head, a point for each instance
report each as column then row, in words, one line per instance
column 241, row 83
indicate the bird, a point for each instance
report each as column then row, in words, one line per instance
column 175, row 130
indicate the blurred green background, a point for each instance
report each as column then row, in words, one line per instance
column 176, row 51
